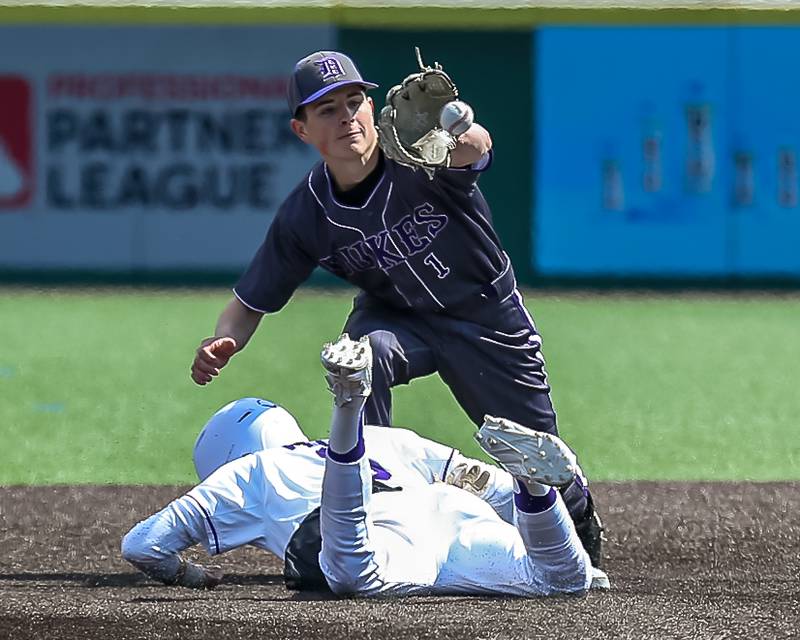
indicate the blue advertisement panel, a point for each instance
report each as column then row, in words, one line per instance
column 765, row 140
column 666, row 152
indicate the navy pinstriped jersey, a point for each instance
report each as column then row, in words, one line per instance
column 416, row 243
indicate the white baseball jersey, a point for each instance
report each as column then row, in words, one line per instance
column 428, row 538
column 261, row 498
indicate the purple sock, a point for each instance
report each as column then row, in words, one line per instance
column 357, row 452
column 532, row 504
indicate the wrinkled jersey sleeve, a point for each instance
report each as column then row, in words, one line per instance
column 154, row 545
column 467, row 176
column 281, row 264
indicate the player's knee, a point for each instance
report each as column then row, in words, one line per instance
column 350, row 571
column 383, row 343
column 343, row 583
column 385, row 350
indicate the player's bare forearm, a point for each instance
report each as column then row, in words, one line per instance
column 238, row 322
column 471, row 146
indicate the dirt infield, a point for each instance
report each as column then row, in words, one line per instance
column 686, row 561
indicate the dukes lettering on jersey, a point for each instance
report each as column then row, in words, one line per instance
column 414, row 242
column 389, row 247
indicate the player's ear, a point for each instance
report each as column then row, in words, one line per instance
column 299, row 129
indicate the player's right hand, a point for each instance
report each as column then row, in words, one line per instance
column 212, row 354
column 194, row 576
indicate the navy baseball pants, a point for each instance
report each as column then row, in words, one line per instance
column 490, row 358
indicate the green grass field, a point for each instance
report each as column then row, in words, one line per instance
column 94, row 386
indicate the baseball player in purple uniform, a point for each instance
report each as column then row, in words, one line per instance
column 438, row 292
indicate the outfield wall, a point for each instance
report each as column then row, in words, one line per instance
column 667, row 151
column 145, row 148
column 629, row 144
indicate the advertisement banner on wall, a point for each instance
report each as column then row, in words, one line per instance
column 628, row 141
column 666, row 151
column 145, row 147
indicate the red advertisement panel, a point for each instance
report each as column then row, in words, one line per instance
column 16, row 144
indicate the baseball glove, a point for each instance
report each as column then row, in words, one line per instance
column 408, row 126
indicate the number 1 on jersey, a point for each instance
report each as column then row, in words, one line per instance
column 432, row 261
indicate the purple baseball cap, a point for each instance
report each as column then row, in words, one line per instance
column 320, row 73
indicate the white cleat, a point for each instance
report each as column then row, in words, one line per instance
column 599, row 579
column 527, row 454
column 348, row 368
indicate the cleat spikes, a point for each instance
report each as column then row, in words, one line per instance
column 348, row 366
column 516, row 448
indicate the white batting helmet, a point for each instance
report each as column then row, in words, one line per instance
column 241, row 427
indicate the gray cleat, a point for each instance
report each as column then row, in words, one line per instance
column 348, row 368
column 527, row 454
column 536, row 456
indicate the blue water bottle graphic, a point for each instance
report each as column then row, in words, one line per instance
column 743, row 179
column 699, row 143
column 787, row 177
column 613, row 187
column 652, row 170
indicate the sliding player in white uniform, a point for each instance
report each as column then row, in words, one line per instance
column 265, row 499
column 421, row 536
column 436, row 538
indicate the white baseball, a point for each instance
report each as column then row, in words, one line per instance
column 456, row 117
